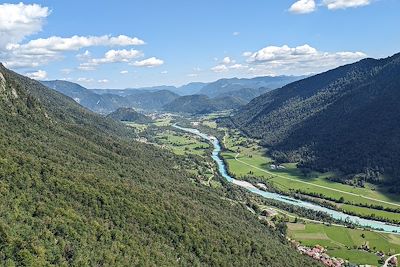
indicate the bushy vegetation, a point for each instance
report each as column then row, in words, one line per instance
column 76, row 190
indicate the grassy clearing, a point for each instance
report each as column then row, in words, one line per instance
column 215, row 115
column 343, row 242
column 211, row 124
column 167, row 121
column 182, row 144
column 137, row 126
column 368, row 211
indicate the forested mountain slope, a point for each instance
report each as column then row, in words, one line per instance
column 129, row 114
column 245, row 94
column 86, row 97
column 202, row 104
column 151, row 100
column 346, row 119
column 76, row 190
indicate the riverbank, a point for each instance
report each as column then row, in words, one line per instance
column 334, row 214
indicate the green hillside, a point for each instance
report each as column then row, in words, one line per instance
column 345, row 120
column 76, row 190
column 202, row 104
column 129, row 114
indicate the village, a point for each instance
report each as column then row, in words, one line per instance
column 319, row 253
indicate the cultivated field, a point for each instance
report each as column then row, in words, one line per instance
column 344, row 242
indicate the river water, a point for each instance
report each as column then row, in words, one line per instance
column 333, row 213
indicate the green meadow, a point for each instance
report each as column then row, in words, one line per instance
column 291, row 178
column 182, row 144
column 344, row 242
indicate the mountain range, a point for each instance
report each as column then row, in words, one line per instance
column 343, row 120
column 77, row 190
column 212, row 89
column 224, row 86
column 105, row 101
column 108, row 102
column 187, row 89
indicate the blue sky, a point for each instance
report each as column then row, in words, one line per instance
column 122, row 44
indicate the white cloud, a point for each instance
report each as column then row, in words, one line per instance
column 270, row 53
column 343, row 4
column 17, row 21
column 20, row 20
column 42, row 51
column 227, row 60
column 299, row 60
column 103, row 81
column 164, row 72
column 247, row 54
column 124, row 72
column 66, row 71
column 87, row 66
column 123, row 55
column 303, row 7
column 226, row 64
column 308, row 6
column 150, row 62
column 74, row 43
column 85, row 80
column 84, row 56
column 111, row 56
column 37, row 75
column 220, row 68
column 193, row 75
column 236, row 33
column 238, row 66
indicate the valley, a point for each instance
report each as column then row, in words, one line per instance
column 246, row 160
column 199, row 133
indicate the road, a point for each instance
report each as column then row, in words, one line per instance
column 388, row 259
column 311, row 184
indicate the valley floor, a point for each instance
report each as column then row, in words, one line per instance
column 247, row 160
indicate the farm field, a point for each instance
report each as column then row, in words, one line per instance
column 182, row 143
column 166, row 121
column 291, row 178
column 345, row 242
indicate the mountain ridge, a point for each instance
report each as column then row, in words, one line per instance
column 316, row 119
column 107, row 103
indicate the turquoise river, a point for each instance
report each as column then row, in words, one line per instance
column 381, row 226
